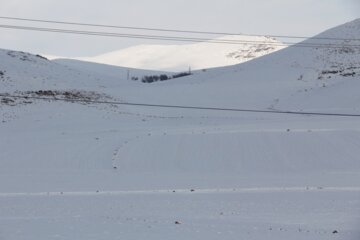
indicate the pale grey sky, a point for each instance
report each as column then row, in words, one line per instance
column 280, row 17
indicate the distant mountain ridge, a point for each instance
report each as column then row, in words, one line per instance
column 196, row 56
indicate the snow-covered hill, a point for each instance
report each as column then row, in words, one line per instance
column 196, row 56
column 145, row 168
column 293, row 79
column 23, row 71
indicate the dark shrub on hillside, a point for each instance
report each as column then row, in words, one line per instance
column 163, row 77
column 182, row 74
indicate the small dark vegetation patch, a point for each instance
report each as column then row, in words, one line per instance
column 6, row 100
column 182, row 74
column 42, row 57
column 2, row 75
column 9, row 100
column 26, row 57
column 68, row 95
column 27, row 97
column 331, row 71
column 348, row 74
column 163, row 77
column 351, row 71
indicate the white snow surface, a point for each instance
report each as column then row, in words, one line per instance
column 202, row 55
column 72, row 170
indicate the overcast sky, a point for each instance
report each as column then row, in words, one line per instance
column 280, row 17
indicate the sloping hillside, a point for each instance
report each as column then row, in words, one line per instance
column 295, row 78
column 24, row 71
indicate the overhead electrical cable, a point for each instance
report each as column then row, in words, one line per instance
column 178, row 39
column 181, row 106
column 172, row 30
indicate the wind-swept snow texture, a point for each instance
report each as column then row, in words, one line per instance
column 103, row 171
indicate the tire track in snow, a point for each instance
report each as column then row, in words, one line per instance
column 183, row 191
column 116, row 156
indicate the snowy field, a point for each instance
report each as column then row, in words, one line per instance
column 208, row 176
column 209, row 214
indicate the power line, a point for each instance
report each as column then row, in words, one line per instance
column 178, row 39
column 173, row 30
column 182, row 106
